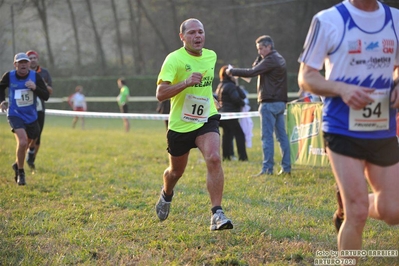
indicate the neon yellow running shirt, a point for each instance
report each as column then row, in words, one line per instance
column 190, row 108
column 123, row 96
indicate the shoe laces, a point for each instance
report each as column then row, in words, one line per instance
column 219, row 215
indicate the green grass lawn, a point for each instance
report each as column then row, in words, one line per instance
column 91, row 202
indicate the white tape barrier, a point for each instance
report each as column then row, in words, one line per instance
column 225, row 116
column 141, row 98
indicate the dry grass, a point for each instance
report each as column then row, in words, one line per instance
column 92, row 199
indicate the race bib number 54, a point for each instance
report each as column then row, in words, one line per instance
column 195, row 109
column 375, row 116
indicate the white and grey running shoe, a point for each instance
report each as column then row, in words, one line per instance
column 162, row 208
column 220, row 222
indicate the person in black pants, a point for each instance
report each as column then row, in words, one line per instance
column 40, row 107
column 164, row 108
column 231, row 98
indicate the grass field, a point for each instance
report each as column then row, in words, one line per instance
column 91, row 202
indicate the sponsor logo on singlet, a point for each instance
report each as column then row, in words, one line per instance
column 372, row 62
column 355, row 47
column 388, row 46
column 372, row 46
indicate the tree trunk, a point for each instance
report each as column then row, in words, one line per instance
column 157, row 31
column 176, row 24
column 100, row 50
column 134, row 26
column 235, row 21
column 118, row 33
column 42, row 11
column 75, row 34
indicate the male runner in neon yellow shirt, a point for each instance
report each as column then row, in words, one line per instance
column 186, row 78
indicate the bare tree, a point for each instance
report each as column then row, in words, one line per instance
column 97, row 39
column 231, row 29
column 42, row 11
column 154, row 26
column 4, row 42
column 175, row 21
column 118, row 32
column 75, row 34
column 134, row 26
column 236, row 22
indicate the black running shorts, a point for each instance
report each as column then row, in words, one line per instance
column 181, row 143
column 382, row 152
column 32, row 130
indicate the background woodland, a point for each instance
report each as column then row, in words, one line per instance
column 84, row 40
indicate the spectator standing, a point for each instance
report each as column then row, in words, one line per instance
column 78, row 103
column 359, row 109
column 23, row 86
column 231, row 99
column 44, row 73
column 123, row 99
column 186, row 78
column 164, row 108
column 271, row 70
column 246, row 123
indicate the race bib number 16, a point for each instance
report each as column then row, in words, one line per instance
column 195, row 109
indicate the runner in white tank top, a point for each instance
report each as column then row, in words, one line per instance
column 357, row 42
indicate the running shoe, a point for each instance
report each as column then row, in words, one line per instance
column 21, row 179
column 31, row 160
column 220, row 222
column 338, row 217
column 162, row 207
column 15, row 168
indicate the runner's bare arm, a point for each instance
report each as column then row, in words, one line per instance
column 165, row 90
column 310, row 79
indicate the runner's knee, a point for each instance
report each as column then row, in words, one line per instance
column 213, row 159
column 389, row 213
column 357, row 214
column 173, row 174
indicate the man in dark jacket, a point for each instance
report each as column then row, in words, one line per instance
column 271, row 70
column 23, row 86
